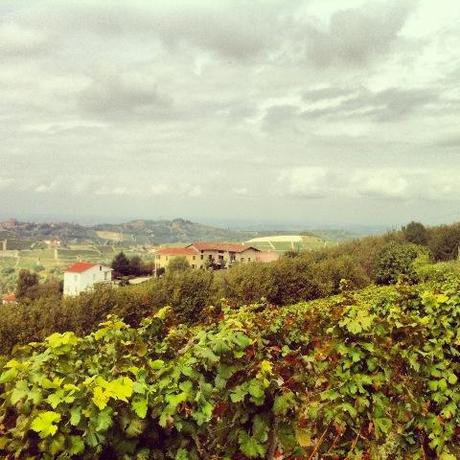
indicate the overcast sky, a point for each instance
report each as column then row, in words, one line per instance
column 315, row 111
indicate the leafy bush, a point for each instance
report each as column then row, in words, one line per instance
column 370, row 376
column 395, row 260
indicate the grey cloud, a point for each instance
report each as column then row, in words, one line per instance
column 391, row 104
column 356, row 36
column 322, row 94
column 17, row 41
column 233, row 30
column 144, row 100
column 115, row 96
column 279, row 116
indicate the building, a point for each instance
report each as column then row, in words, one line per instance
column 8, row 298
column 164, row 255
column 222, row 255
column 82, row 276
column 207, row 255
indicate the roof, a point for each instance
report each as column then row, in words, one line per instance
column 9, row 297
column 213, row 246
column 81, row 267
column 177, row 251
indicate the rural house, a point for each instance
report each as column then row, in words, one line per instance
column 207, row 254
column 82, row 276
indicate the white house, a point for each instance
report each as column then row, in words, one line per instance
column 84, row 275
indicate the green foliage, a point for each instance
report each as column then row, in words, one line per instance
column 26, row 281
column 416, row 233
column 395, row 260
column 444, row 242
column 308, row 276
column 120, row 265
column 374, row 374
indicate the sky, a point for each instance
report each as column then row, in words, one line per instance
column 320, row 112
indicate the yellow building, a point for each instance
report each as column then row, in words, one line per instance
column 208, row 255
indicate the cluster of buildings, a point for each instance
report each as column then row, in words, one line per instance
column 82, row 276
column 205, row 255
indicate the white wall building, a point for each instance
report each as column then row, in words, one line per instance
column 84, row 275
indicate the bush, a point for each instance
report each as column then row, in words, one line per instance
column 444, row 242
column 415, row 233
column 394, row 260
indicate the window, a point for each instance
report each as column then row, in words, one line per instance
column 193, row 257
column 249, row 259
column 242, row 259
column 202, row 256
column 100, row 268
column 193, row 265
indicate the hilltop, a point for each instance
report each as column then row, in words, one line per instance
column 150, row 232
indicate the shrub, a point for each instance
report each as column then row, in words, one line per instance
column 394, row 260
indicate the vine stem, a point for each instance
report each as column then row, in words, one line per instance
column 273, row 440
column 318, row 444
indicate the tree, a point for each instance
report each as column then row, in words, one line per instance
column 178, row 264
column 135, row 266
column 415, row 232
column 445, row 241
column 393, row 260
column 26, row 281
column 121, row 265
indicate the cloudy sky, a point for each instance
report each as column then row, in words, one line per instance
column 315, row 111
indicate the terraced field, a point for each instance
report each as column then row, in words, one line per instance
column 284, row 243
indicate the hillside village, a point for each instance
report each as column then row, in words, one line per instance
column 49, row 249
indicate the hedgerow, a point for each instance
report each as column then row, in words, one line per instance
column 371, row 375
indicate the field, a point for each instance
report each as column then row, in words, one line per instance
column 284, row 243
column 54, row 261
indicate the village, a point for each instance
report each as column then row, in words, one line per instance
column 83, row 275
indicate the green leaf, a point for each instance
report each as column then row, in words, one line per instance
column 283, row 403
column 75, row 415
column 44, row 423
column 77, row 446
column 20, row 391
column 8, row 375
column 383, row 424
column 104, row 420
column 140, row 405
column 250, row 446
column 181, row 454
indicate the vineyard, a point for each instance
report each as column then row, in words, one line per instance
column 371, row 374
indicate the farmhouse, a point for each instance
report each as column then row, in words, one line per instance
column 207, row 255
column 82, row 276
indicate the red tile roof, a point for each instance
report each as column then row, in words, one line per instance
column 212, row 246
column 177, row 251
column 80, row 267
column 9, row 297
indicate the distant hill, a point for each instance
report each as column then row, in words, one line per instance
column 133, row 232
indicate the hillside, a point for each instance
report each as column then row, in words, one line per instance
column 136, row 232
